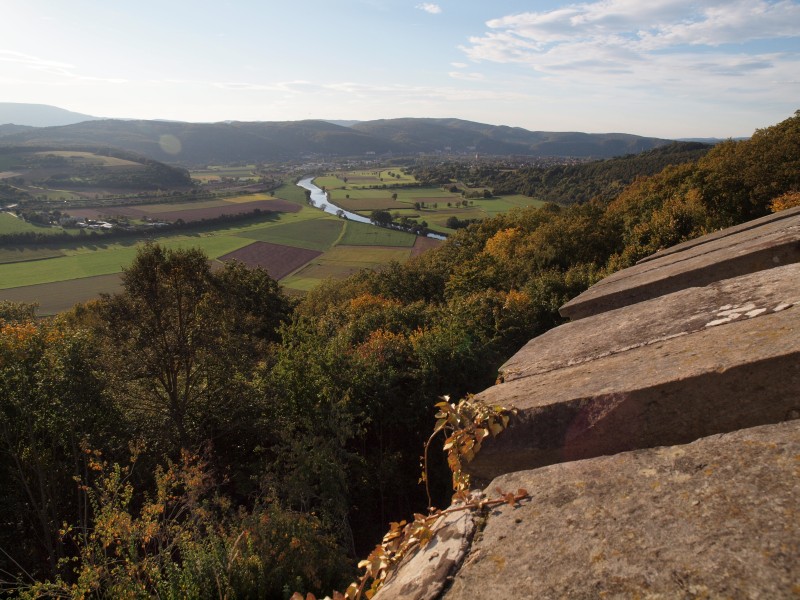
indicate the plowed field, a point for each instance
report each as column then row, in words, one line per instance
column 277, row 259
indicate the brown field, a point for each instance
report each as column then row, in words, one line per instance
column 188, row 214
column 423, row 244
column 59, row 296
column 277, row 259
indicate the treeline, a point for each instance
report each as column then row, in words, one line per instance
column 34, row 238
column 199, row 435
column 566, row 183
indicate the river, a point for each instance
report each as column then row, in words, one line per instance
column 320, row 200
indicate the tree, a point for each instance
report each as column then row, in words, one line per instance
column 382, row 218
column 52, row 403
column 182, row 340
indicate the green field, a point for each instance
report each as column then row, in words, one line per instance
column 434, row 201
column 14, row 254
column 314, row 234
column 292, row 193
column 341, row 262
column 57, row 276
column 90, row 261
column 217, row 173
column 362, row 204
column 363, row 234
column 11, row 224
column 90, row 158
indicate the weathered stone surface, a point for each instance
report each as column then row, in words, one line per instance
column 718, row 518
column 423, row 575
column 657, row 320
column 765, row 247
column 789, row 212
column 719, row 379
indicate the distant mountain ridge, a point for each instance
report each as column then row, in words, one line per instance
column 39, row 115
column 273, row 141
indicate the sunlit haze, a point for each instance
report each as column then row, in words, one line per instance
column 666, row 68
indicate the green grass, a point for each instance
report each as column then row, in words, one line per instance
column 88, row 261
column 22, row 254
column 313, row 234
column 357, row 204
column 90, row 158
column 339, row 194
column 92, row 257
column 364, row 178
column 363, row 256
column 372, row 199
column 363, row 234
column 11, row 224
column 215, row 173
column 404, row 179
column 292, row 193
column 8, row 161
column 328, row 182
column 340, row 262
column 52, row 195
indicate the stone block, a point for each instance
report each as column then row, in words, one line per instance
column 680, row 313
column 717, row 518
column 770, row 245
column 717, row 379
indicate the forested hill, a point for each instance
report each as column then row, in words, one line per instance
column 563, row 183
column 86, row 167
column 231, row 142
column 603, row 179
column 199, row 435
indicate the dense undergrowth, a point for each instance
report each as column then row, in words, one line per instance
column 200, row 435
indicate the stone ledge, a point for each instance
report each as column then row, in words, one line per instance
column 657, row 320
column 770, row 245
column 720, row 379
column 718, row 518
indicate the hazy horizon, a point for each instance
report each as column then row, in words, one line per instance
column 668, row 68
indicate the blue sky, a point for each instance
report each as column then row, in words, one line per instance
column 668, row 68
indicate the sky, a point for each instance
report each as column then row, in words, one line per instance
column 665, row 68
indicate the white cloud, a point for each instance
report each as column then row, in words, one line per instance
column 34, row 62
column 56, row 71
column 433, row 9
column 459, row 65
column 466, row 76
column 687, row 44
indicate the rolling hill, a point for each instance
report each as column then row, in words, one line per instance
column 266, row 141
